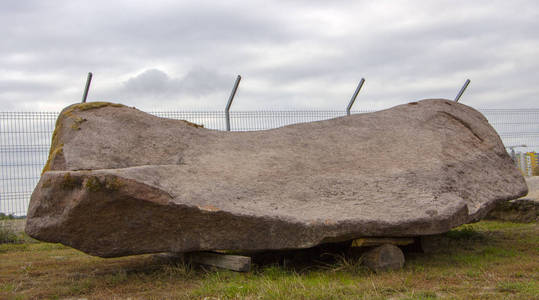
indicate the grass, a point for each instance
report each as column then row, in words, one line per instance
column 7, row 233
column 485, row 260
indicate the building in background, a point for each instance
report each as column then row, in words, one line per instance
column 528, row 163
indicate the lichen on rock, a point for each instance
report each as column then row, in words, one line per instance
column 69, row 182
column 72, row 117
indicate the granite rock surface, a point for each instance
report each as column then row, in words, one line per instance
column 522, row 210
column 121, row 182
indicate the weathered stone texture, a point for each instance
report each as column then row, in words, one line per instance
column 523, row 210
column 120, row 181
column 386, row 257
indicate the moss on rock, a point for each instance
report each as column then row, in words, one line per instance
column 94, row 184
column 113, row 184
column 69, row 182
column 47, row 183
column 77, row 122
column 55, row 151
column 56, row 146
column 68, row 117
column 193, row 124
column 92, row 105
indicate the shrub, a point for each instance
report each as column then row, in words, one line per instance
column 3, row 216
column 7, row 235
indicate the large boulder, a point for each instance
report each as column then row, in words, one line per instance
column 120, row 181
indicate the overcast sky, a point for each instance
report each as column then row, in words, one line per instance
column 291, row 54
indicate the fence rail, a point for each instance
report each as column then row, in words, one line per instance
column 25, row 139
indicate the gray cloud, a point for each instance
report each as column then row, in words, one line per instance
column 292, row 54
column 151, row 82
column 156, row 83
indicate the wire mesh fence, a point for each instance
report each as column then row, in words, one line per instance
column 515, row 126
column 25, row 139
column 24, row 144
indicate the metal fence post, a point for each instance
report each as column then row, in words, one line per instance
column 232, row 94
column 353, row 99
column 88, row 80
column 462, row 90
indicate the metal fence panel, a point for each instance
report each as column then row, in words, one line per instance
column 25, row 139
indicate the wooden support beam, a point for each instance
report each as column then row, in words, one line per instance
column 226, row 261
column 375, row 241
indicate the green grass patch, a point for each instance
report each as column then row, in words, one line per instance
column 3, row 216
column 7, row 235
column 465, row 232
column 485, row 260
column 530, row 288
column 498, row 225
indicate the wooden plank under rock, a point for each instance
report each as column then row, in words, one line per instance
column 377, row 241
column 226, row 261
